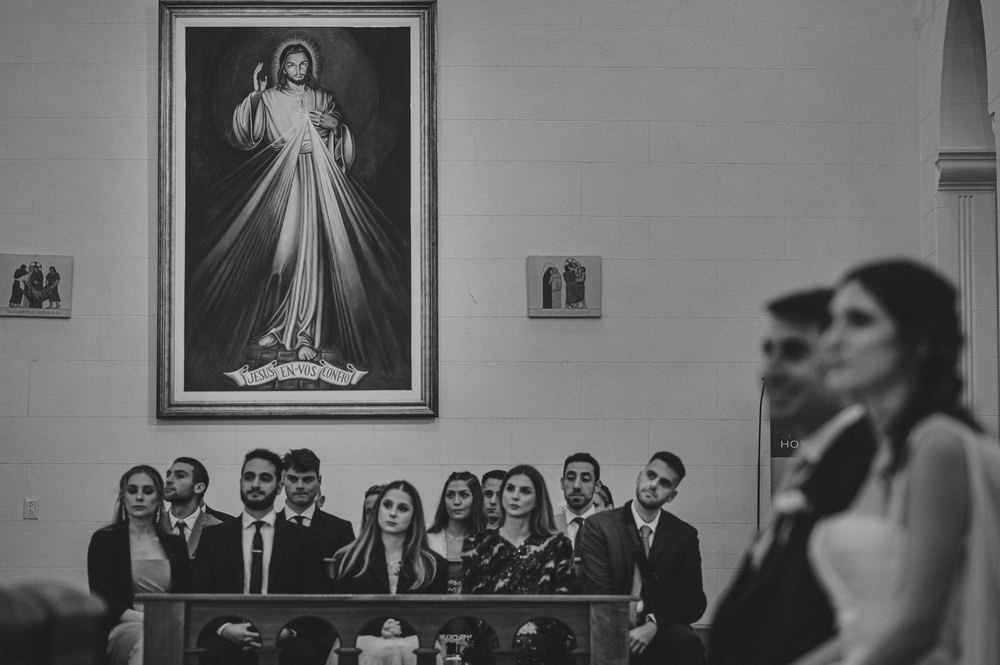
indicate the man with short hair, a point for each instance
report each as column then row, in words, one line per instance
column 642, row 550
column 185, row 486
column 775, row 610
column 491, row 497
column 302, row 489
column 258, row 554
column 579, row 482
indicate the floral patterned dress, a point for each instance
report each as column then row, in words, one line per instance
column 540, row 565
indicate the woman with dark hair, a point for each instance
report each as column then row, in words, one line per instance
column 525, row 555
column 460, row 514
column 135, row 554
column 911, row 565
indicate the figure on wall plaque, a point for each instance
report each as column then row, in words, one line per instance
column 555, row 294
column 35, row 292
column 301, row 263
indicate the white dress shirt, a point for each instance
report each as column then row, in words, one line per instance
column 189, row 523
column 267, row 532
column 571, row 527
column 307, row 514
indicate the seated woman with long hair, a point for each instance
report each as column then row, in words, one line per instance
column 911, row 566
column 460, row 514
column 135, row 554
column 391, row 556
column 526, row 555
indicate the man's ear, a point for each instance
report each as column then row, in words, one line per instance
column 200, row 489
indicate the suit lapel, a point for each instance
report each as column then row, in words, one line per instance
column 204, row 520
column 660, row 538
column 378, row 566
column 631, row 543
column 279, row 549
column 235, row 546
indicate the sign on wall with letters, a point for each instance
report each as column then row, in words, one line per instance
column 297, row 206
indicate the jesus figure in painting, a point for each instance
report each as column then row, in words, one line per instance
column 302, row 260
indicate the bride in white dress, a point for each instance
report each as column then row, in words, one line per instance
column 913, row 567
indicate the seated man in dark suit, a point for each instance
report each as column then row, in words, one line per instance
column 775, row 610
column 185, row 487
column 258, row 554
column 302, row 484
column 642, row 550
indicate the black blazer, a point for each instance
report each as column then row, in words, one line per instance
column 608, row 547
column 109, row 567
column 778, row 612
column 375, row 579
column 296, row 563
column 331, row 531
column 219, row 515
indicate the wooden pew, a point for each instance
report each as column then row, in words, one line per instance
column 174, row 621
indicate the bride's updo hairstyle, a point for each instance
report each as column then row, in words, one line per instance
column 923, row 306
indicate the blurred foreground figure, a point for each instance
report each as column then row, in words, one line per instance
column 912, row 565
column 775, row 609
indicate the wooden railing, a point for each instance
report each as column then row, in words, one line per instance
column 173, row 622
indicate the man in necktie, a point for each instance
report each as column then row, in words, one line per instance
column 579, row 482
column 774, row 609
column 185, row 487
column 302, row 482
column 258, row 554
column 645, row 551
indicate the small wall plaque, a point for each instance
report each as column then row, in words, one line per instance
column 566, row 286
column 38, row 285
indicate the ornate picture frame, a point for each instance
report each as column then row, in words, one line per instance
column 297, row 209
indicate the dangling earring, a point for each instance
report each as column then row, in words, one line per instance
column 157, row 517
column 124, row 514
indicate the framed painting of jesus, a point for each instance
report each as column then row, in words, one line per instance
column 297, row 209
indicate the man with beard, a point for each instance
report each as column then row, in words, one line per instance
column 491, row 497
column 185, row 487
column 258, row 554
column 775, row 610
column 579, row 482
column 642, row 550
column 302, row 484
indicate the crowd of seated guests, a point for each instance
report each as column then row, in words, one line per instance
column 893, row 503
column 500, row 535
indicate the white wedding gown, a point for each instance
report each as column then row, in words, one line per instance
column 859, row 558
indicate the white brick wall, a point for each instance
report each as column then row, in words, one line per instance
column 713, row 153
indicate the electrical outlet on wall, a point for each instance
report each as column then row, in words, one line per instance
column 31, row 509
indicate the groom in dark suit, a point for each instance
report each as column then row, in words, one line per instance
column 258, row 554
column 642, row 550
column 775, row 610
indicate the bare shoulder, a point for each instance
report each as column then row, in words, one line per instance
column 939, row 441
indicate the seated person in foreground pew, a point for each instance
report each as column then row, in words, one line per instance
column 259, row 554
column 524, row 555
column 187, row 481
column 643, row 550
column 775, row 609
column 302, row 484
column 391, row 556
column 135, row 554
